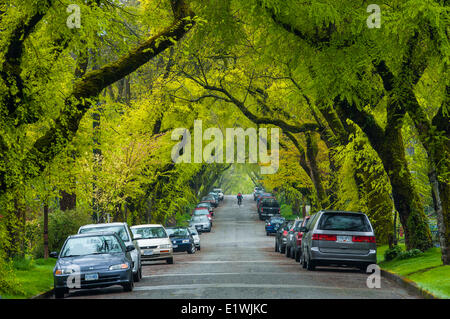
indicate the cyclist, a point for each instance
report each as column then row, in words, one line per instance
column 239, row 198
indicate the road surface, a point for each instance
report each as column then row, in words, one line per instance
column 237, row 260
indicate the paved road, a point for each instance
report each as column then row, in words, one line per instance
column 237, row 260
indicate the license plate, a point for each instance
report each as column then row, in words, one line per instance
column 148, row 252
column 89, row 277
column 174, row 246
column 344, row 239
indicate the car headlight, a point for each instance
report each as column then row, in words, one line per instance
column 118, row 267
column 185, row 241
column 64, row 271
column 165, row 246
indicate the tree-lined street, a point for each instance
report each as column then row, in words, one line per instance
column 237, row 261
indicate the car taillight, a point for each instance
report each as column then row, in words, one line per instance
column 324, row 237
column 285, row 233
column 364, row 239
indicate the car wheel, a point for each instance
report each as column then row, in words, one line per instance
column 198, row 248
column 59, row 293
column 282, row 249
column 302, row 261
column 310, row 265
column 276, row 246
column 267, row 233
column 192, row 250
column 138, row 275
column 287, row 251
column 297, row 255
column 128, row 287
column 169, row 260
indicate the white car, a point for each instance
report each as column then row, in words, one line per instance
column 154, row 242
column 219, row 190
column 196, row 237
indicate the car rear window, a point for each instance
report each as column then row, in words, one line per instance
column 270, row 202
column 343, row 221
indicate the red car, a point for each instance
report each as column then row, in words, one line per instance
column 298, row 241
column 202, row 211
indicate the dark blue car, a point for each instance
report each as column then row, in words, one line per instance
column 93, row 260
column 182, row 239
column 273, row 224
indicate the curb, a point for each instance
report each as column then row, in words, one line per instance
column 44, row 295
column 408, row 284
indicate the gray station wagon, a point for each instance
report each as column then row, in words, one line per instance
column 338, row 238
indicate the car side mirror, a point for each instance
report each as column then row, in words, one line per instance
column 53, row 254
column 130, row 248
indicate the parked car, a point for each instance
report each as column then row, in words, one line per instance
column 93, row 260
column 291, row 237
column 210, row 199
column 273, row 223
column 220, row 192
column 125, row 233
column 201, row 223
column 154, row 242
column 281, row 234
column 207, row 205
column 182, row 239
column 260, row 197
column 201, row 211
column 338, row 238
column 297, row 249
column 268, row 207
column 215, row 195
column 196, row 235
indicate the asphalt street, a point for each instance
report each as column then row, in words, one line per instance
column 237, row 260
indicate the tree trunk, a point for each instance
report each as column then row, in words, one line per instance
column 311, row 152
column 388, row 144
column 46, row 231
column 68, row 201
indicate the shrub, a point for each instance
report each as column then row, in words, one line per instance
column 410, row 253
column 23, row 263
column 393, row 252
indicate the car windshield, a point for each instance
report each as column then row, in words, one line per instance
column 150, row 232
column 270, row 202
column 118, row 229
column 193, row 231
column 91, row 245
column 204, row 205
column 343, row 221
column 177, row 232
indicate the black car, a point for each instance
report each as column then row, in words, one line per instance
column 93, row 260
column 268, row 207
column 281, row 234
column 182, row 239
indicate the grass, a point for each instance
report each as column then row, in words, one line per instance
column 34, row 279
column 425, row 270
